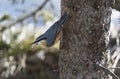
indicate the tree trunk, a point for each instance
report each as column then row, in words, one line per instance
column 83, row 41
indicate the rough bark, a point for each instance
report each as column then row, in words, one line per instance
column 83, row 41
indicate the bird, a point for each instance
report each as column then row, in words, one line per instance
column 53, row 32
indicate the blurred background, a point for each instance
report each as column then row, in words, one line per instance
column 21, row 21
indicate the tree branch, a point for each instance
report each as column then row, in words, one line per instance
column 114, row 68
column 27, row 15
column 107, row 71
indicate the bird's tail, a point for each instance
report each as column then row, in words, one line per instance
column 63, row 19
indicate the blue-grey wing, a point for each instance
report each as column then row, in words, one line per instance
column 54, row 30
column 51, row 34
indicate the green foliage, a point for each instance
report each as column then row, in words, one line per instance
column 5, row 17
column 18, row 49
column 4, row 46
column 2, row 28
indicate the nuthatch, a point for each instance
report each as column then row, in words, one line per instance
column 51, row 34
